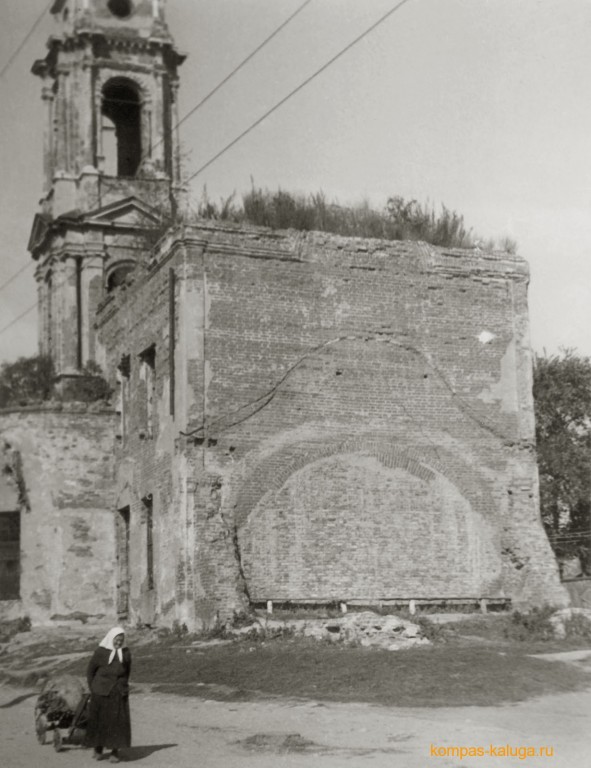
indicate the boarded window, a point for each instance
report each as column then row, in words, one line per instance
column 10, row 545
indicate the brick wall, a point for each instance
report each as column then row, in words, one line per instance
column 64, row 463
column 352, row 419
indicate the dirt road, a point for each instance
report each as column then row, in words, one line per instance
column 176, row 732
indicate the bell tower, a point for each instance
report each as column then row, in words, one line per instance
column 111, row 161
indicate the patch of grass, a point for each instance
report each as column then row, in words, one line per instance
column 434, row 632
column 400, row 219
column 527, row 632
column 578, row 627
column 432, row 677
column 531, row 625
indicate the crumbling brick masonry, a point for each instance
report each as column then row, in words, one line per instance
column 324, row 418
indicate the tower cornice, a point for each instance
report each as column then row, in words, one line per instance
column 100, row 42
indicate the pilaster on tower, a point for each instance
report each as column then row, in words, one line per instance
column 111, row 159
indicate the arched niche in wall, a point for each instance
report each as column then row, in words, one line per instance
column 366, row 519
column 117, row 274
column 355, row 526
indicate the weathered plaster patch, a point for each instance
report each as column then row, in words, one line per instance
column 42, row 598
column 80, row 550
column 505, row 389
column 81, row 529
column 485, row 337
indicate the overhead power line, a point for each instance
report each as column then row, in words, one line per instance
column 238, row 67
column 26, row 311
column 229, row 76
column 296, row 90
column 28, row 265
column 18, row 317
column 25, row 40
column 562, row 538
column 244, row 133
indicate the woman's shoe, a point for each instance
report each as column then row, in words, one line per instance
column 97, row 755
column 114, row 758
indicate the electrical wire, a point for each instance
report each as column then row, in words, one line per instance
column 18, row 317
column 564, row 538
column 296, row 90
column 242, row 63
column 25, row 312
column 279, row 104
column 24, row 41
column 28, row 265
column 229, row 76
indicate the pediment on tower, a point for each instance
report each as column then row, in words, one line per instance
column 130, row 212
column 39, row 231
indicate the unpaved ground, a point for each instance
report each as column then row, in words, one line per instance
column 177, row 732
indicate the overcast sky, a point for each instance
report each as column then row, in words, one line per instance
column 483, row 105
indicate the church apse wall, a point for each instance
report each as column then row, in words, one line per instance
column 333, row 419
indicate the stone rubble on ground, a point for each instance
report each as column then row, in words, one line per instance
column 366, row 628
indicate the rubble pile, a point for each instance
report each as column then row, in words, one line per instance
column 366, row 629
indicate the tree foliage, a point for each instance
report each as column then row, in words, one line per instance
column 32, row 380
column 562, row 398
column 28, row 379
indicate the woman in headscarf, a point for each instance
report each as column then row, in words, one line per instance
column 109, row 724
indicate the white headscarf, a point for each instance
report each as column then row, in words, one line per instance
column 107, row 642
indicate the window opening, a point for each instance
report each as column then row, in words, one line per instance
column 122, row 534
column 10, row 555
column 149, row 516
column 118, row 276
column 121, row 110
column 120, row 8
column 122, row 404
column 147, row 375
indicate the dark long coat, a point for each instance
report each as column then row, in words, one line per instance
column 109, row 723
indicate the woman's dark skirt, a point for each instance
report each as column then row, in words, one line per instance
column 109, row 723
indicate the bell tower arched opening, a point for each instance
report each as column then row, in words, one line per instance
column 122, row 116
column 110, row 95
column 120, row 8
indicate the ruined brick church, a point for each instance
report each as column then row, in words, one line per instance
column 298, row 417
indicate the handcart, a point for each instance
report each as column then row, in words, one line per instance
column 62, row 707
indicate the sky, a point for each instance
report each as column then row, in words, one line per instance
column 481, row 105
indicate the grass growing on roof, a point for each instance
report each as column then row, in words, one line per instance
column 399, row 219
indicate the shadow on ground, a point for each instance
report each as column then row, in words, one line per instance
column 139, row 753
column 18, row 700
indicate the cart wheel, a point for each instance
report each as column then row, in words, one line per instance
column 57, row 740
column 41, row 727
